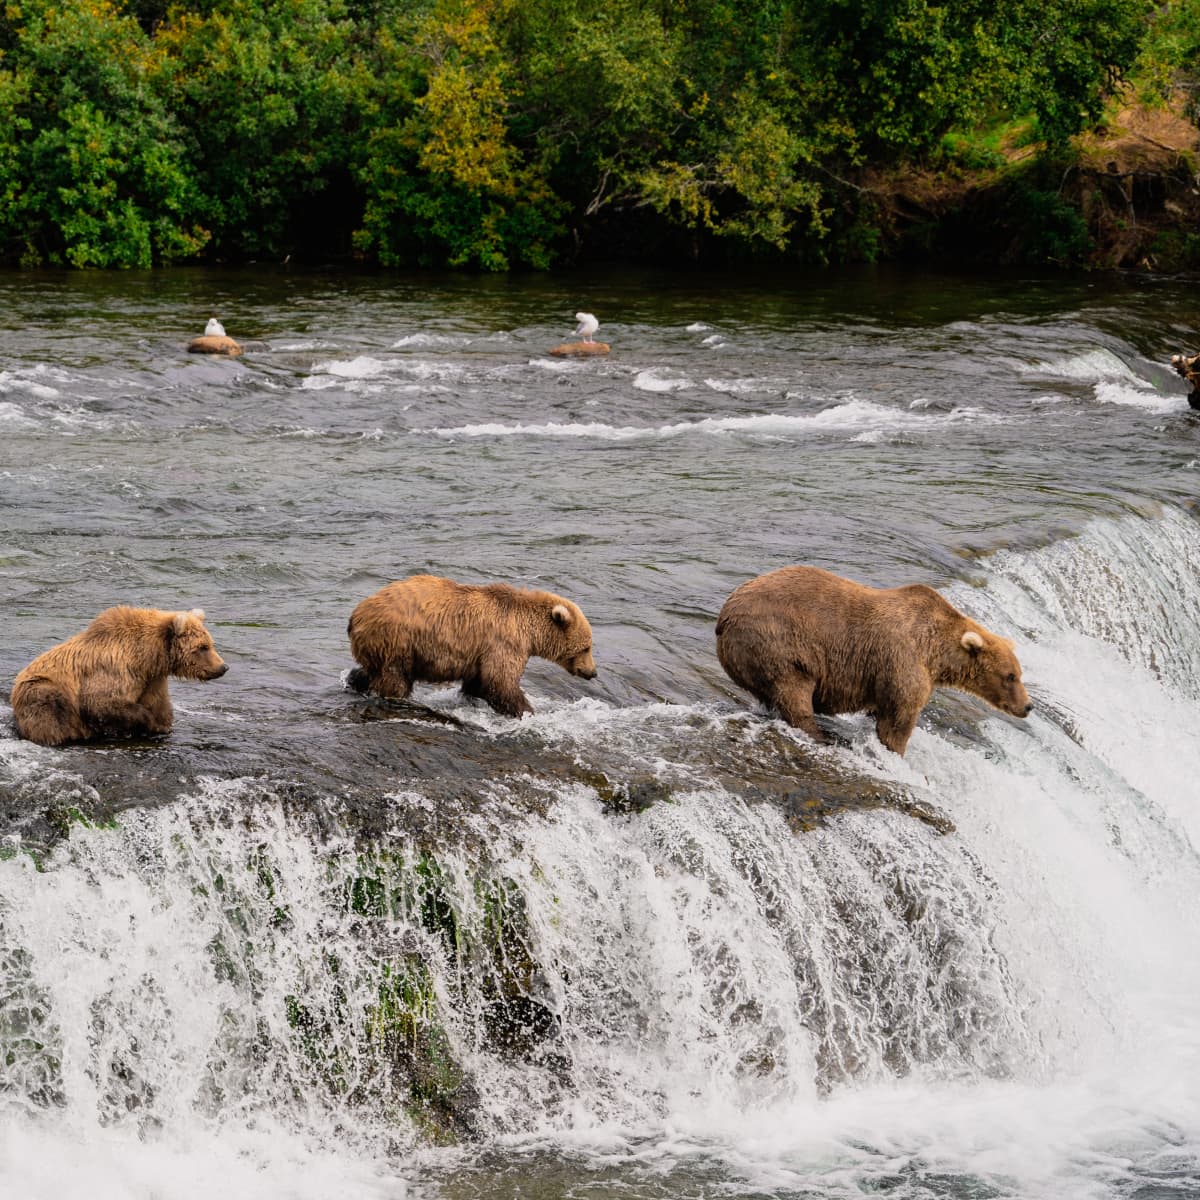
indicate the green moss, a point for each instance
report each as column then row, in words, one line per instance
column 62, row 818
column 12, row 848
column 485, row 935
column 405, row 1026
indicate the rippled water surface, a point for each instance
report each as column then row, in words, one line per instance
column 766, row 977
column 884, row 426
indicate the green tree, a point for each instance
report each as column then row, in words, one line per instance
column 268, row 93
column 496, row 133
column 1064, row 60
column 444, row 181
column 92, row 169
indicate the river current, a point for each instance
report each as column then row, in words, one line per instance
column 647, row 942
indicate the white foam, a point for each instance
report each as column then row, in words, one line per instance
column 855, row 416
column 361, row 367
column 552, row 429
column 1137, row 395
column 31, row 382
column 369, row 375
column 653, row 380
column 555, row 364
column 743, row 387
column 430, row 339
column 1091, row 365
column 14, row 416
column 37, row 1163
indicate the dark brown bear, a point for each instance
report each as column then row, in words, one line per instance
column 804, row 641
column 426, row 629
column 112, row 677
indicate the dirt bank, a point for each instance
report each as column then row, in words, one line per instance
column 1126, row 195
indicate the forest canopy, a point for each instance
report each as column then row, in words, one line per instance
column 497, row 134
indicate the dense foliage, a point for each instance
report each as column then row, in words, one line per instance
column 500, row 133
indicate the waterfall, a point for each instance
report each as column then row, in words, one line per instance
column 244, row 984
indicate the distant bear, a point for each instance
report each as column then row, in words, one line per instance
column 426, row 629
column 804, row 641
column 112, row 677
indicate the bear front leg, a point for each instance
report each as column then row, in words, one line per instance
column 793, row 699
column 895, row 730
column 111, row 702
column 129, row 716
column 501, row 693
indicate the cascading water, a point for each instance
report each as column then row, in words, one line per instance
column 244, row 983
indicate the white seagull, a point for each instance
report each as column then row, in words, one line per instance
column 214, row 328
column 587, row 326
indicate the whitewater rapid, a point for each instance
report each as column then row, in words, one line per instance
column 740, row 1007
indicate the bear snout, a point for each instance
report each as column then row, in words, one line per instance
column 216, row 672
column 582, row 665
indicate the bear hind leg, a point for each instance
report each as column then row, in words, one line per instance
column 387, row 679
column 793, row 698
column 44, row 715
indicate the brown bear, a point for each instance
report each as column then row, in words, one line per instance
column 1189, row 367
column 805, row 641
column 112, row 677
column 426, row 629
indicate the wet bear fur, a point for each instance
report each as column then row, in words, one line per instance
column 805, row 641
column 111, row 679
column 426, row 629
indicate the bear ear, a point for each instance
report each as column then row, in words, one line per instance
column 560, row 614
column 183, row 619
column 971, row 642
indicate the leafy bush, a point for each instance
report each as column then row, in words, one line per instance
column 491, row 134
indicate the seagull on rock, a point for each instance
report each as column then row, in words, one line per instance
column 214, row 328
column 587, row 326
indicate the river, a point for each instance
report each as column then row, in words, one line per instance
column 647, row 942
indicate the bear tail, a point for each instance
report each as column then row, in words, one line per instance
column 43, row 714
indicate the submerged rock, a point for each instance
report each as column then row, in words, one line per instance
column 214, row 344
column 579, row 349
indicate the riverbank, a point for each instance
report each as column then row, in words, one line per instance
column 1124, row 196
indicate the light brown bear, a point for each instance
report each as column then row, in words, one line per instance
column 426, row 629
column 805, row 641
column 112, row 677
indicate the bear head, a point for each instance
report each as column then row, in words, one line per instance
column 570, row 644
column 191, row 648
column 992, row 672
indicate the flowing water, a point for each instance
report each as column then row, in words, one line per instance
column 647, row 942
